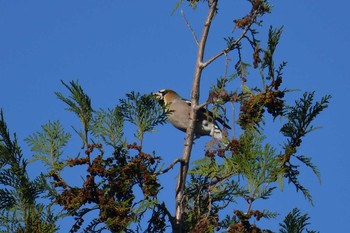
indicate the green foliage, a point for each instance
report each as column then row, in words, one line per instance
column 112, row 180
column 158, row 221
column 47, row 145
column 108, row 125
column 79, row 103
column 248, row 170
column 255, row 168
column 295, row 222
column 20, row 210
column 300, row 116
column 268, row 61
column 206, row 197
column 259, row 164
column 32, row 219
column 142, row 111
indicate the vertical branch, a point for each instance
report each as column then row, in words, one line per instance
column 180, row 188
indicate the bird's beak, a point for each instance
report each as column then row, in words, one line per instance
column 157, row 95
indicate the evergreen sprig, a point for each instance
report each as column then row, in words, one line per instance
column 295, row 222
column 268, row 61
column 307, row 161
column 7, row 197
column 258, row 163
column 19, row 195
column 300, row 118
column 143, row 111
column 79, row 103
column 157, row 223
column 13, row 166
column 206, row 197
column 301, row 115
column 108, row 125
column 47, row 145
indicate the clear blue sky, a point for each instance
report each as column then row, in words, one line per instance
column 113, row 47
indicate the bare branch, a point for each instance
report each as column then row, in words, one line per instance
column 202, row 105
column 217, row 180
column 180, row 187
column 233, row 119
column 231, row 46
column 170, row 166
column 228, row 48
column 189, row 27
column 227, row 59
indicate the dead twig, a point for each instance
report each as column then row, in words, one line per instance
column 170, row 166
column 189, row 27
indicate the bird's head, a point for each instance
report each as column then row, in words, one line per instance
column 166, row 95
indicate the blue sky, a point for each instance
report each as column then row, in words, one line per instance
column 114, row 47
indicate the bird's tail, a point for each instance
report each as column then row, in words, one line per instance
column 216, row 132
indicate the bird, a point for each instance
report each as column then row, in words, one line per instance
column 179, row 115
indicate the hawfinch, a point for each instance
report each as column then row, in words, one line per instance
column 180, row 115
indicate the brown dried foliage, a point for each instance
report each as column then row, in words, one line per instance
column 205, row 224
column 256, row 56
column 223, row 95
column 259, row 7
column 244, row 225
column 253, row 107
column 113, row 193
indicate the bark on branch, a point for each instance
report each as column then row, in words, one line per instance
column 170, row 166
column 180, row 188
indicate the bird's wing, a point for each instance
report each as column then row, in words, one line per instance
column 210, row 114
column 222, row 122
column 187, row 102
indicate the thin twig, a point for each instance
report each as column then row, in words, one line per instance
column 163, row 207
column 189, row 27
column 202, row 105
column 233, row 120
column 228, row 48
column 170, row 166
column 227, row 59
column 231, row 46
column 219, row 179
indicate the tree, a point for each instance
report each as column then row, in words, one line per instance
column 121, row 183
